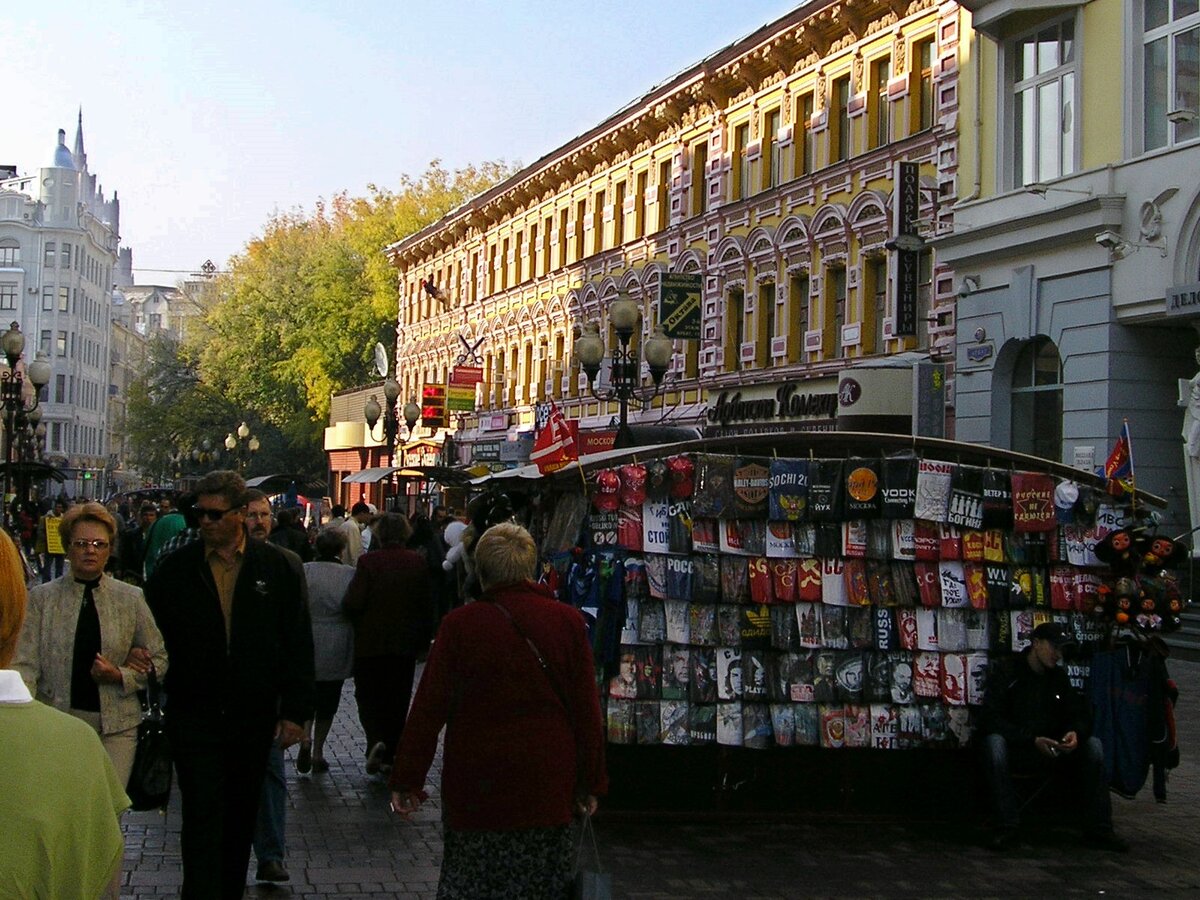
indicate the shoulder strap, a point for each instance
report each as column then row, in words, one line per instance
column 545, row 667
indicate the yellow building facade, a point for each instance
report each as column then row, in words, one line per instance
column 767, row 169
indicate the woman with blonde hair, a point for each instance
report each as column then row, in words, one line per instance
column 59, row 796
column 511, row 678
column 89, row 639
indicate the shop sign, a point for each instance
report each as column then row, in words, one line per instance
column 486, row 451
column 518, row 450
column 494, row 422
column 679, row 305
column 788, row 401
column 906, row 206
column 1183, row 300
column 596, row 441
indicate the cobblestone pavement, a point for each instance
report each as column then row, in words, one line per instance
column 342, row 842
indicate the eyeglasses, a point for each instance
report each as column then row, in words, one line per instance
column 213, row 515
column 83, row 544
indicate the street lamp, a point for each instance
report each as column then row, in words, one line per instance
column 243, row 446
column 21, row 422
column 391, row 425
column 624, row 314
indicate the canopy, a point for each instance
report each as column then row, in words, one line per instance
column 441, row 474
column 272, row 484
column 34, row 469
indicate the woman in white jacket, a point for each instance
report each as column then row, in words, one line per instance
column 89, row 640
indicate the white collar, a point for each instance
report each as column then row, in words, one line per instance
column 12, row 688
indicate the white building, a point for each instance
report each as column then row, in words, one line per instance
column 59, row 240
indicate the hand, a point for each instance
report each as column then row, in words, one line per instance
column 139, row 660
column 1069, row 742
column 288, row 733
column 104, row 672
column 404, row 804
column 1047, row 746
column 587, row 805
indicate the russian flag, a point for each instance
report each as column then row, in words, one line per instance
column 1118, row 468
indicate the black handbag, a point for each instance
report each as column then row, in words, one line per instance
column 150, row 778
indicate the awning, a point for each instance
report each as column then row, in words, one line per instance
column 271, row 484
column 440, row 474
column 34, row 469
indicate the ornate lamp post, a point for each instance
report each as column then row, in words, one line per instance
column 626, row 381
column 391, row 425
column 242, row 447
column 21, row 422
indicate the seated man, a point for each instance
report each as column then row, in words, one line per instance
column 1035, row 722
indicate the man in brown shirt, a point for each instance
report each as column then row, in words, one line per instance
column 235, row 620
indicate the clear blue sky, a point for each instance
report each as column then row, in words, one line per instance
column 207, row 117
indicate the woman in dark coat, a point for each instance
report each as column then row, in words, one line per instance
column 524, row 744
column 391, row 604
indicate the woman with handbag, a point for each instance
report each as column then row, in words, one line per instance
column 512, row 679
column 89, row 639
column 60, row 800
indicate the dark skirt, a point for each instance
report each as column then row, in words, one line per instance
column 526, row 864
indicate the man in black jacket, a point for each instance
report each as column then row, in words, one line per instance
column 1035, row 722
column 232, row 612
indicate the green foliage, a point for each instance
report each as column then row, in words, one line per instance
column 301, row 309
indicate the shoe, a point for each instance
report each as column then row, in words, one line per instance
column 304, row 759
column 1108, row 840
column 319, row 765
column 375, row 758
column 1004, row 839
column 272, row 870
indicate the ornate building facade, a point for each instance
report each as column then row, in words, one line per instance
column 767, row 168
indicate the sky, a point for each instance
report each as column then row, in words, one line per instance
column 208, row 117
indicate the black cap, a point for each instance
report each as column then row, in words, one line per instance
column 1054, row 633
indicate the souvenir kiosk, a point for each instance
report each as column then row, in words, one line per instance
column 806, row 621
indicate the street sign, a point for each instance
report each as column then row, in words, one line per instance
column 679, row 305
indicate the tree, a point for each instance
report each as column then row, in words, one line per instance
column 302, row 307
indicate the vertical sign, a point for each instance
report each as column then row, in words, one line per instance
column 433, row 406
column 905, row 211
column 679, row 305
column 929, row 399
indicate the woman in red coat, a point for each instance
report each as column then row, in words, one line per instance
column 512, row 679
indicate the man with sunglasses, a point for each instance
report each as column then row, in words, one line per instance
column 233, row 610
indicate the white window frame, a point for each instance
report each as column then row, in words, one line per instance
column 1008, row 148
column 1141, row 40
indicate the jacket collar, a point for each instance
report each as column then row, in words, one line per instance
column 518, row 589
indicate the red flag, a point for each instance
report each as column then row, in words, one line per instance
column 1118, row 468
column 555, row 445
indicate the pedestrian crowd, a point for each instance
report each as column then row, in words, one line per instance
column 254, row 622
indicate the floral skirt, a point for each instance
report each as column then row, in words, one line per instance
column 527, row 864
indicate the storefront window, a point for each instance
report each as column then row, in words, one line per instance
column 1037, row 400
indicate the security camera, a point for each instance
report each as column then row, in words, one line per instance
column 1109, row 239
column 968, row 286
column 1181, row 116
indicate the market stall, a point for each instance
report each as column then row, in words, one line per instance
column 831, row 604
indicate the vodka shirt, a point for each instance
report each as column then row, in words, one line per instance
column 933, row 490
column 788, row 490
column 898, row 492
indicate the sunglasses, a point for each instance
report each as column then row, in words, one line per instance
column 83, row 544
column 214, row 515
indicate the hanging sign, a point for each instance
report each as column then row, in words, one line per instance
column 679, row 305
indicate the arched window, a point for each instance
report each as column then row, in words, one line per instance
column 1037, row 404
